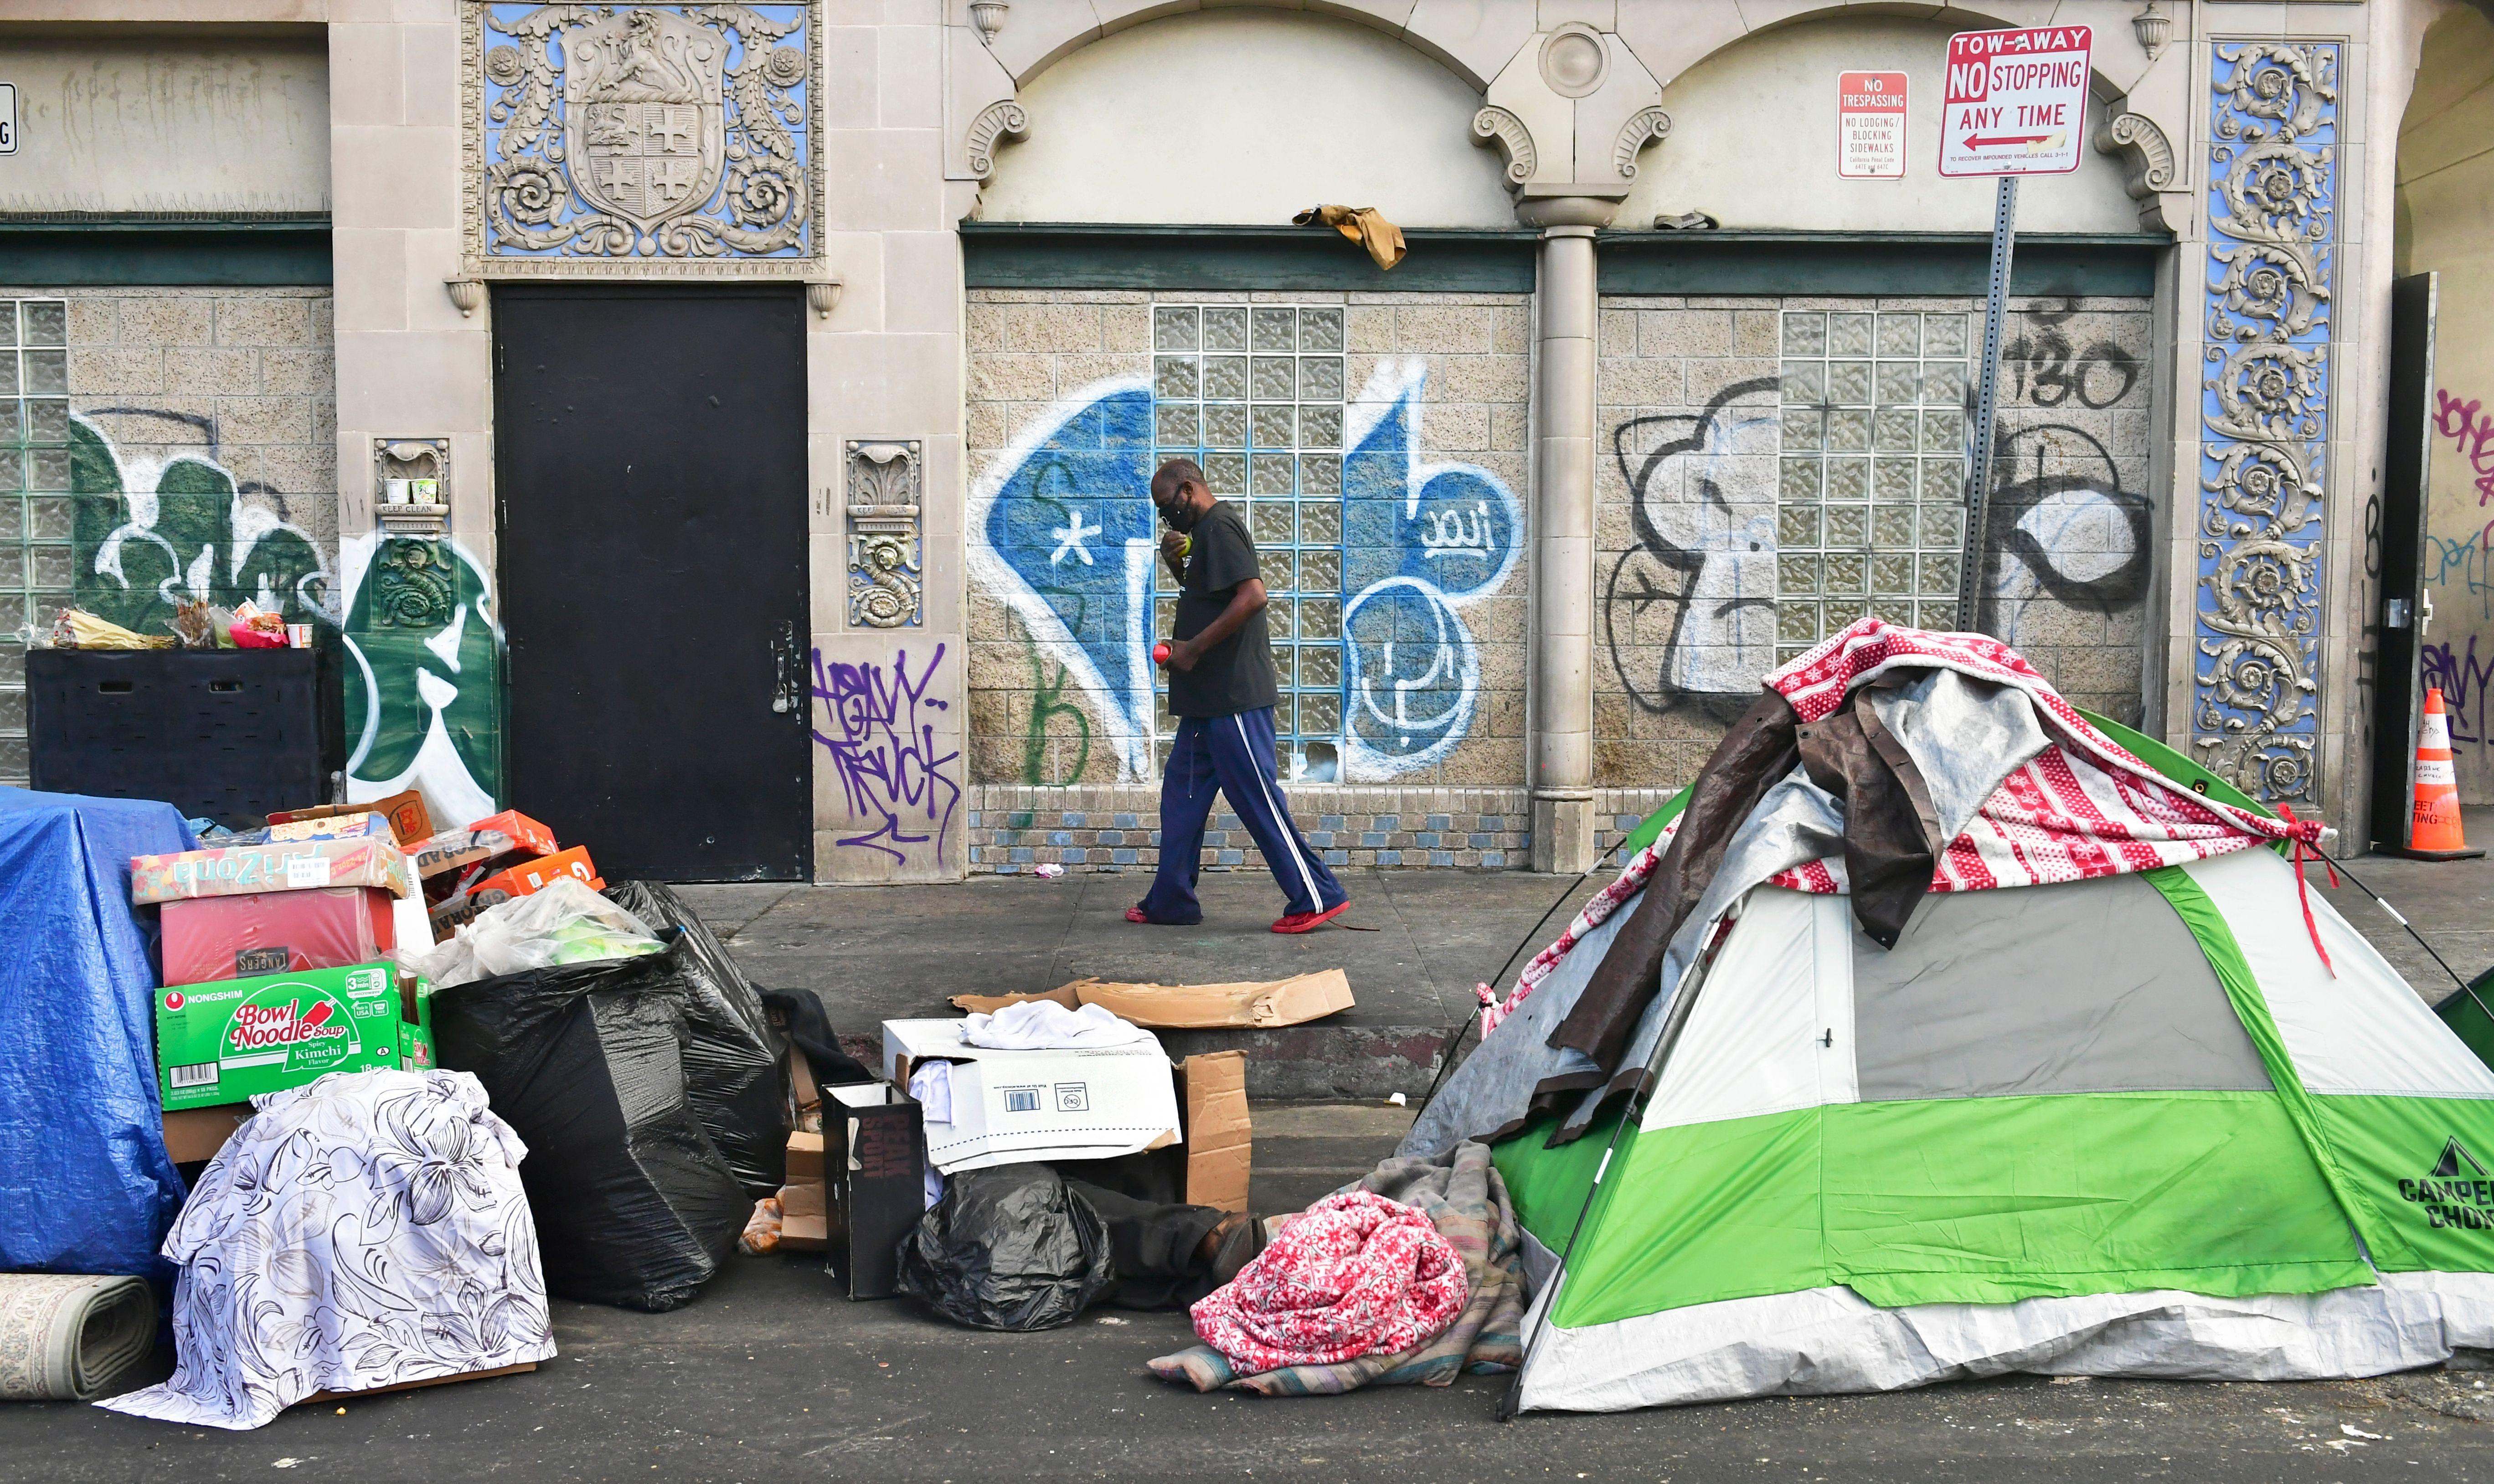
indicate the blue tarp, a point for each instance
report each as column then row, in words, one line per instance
column 85, row 1184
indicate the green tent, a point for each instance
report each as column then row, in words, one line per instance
column 2119, row 1098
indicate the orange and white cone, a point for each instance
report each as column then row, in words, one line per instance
column 2435, row 832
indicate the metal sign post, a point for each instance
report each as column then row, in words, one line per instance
column 2016, row 105
column 1987, row 394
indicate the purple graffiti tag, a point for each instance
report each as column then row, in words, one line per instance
column 2471, row 433
column 886, row 755
column 2464, row 682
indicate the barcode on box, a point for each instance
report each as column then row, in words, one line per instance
column 195, row 1074
column 1022, row 1100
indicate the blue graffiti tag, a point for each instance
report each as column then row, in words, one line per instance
column 1063, row 532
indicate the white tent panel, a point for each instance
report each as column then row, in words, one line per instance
column 1821, row 1342
column 2362, row 1031
column 1772, row 1029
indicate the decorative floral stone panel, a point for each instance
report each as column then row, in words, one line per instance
column 666, row 138
column 2272, row 205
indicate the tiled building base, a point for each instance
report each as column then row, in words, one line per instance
column 1014, row 828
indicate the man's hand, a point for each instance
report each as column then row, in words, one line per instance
column 1173, row 551
column 1184, row 652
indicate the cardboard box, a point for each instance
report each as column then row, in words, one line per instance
column 805, row 1223
column 221, row 1042
column 207, row 938
column 1253, row 1003
column 804, row 1157
column 1009, row 1107
column 525, row 879
column 1220, row 1137
column 875, row 1185
column 409, row 820
column 192, row 1135
column 452, row 849
column 358, row 824
column 289, row 865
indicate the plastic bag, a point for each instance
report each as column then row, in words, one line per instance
column 1010, row 1248
column 734, row 1063
column 633, row 1205
column 565, row 922
column 253, row 629
column 78, row 630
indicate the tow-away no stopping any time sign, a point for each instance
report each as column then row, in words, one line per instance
column 2017, row 102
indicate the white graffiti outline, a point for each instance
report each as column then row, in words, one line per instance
column 249, row 522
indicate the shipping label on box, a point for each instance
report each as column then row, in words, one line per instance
column 225, row 1041
column 291, row 866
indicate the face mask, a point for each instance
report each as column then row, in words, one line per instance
column 1180, row 518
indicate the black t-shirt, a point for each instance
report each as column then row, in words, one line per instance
column 1235, row 675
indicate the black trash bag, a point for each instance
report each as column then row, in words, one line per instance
column 1008, row 1248
column 735, row 1068
column 809, row 1031
column 633, row 1203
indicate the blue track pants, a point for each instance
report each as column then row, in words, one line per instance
column 1231, row 756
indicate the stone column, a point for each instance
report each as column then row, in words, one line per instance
column 1560, row 743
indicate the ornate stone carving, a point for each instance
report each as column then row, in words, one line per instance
column 414, row 584
column 2265, row 409
column 1494, row 125
column 663, row 138
column 1642, row 127
column 886, row 581
column 2135, row 139
column 1003, row 119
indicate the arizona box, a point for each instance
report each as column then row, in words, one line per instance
column 225, row 1041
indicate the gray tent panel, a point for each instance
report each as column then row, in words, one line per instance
column 2090, row 986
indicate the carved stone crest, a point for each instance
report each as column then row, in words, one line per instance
column 671, row 138
column 644, row 114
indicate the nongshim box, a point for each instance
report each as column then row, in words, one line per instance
column 224, row 1042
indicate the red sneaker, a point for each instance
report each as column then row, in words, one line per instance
column 1309, row 921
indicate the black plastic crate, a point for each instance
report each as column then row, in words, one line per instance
column 229, row 734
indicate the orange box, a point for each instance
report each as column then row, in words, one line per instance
column 526, row 879
column 525, row 833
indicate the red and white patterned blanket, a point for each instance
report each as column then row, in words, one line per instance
column 2083, row 807
column 1353, row 1275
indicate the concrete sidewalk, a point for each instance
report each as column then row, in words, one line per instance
column 1412, row 944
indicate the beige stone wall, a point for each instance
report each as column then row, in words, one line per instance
column 197, row 452
column 1716, row 419
column 1035, row 355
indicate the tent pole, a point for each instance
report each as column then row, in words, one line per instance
column 1677, row 1017
column 1454, row 1038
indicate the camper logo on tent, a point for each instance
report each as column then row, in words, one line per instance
column 2457, row 1194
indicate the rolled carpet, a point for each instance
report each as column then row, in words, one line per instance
column 68, row 1337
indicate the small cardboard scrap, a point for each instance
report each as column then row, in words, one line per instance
column 1248, row 1004
column 405, row 812
column 196, row 1133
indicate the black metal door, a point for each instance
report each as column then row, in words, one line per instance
column 2397, row 697
column 649, row 478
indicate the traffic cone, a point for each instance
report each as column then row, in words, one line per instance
column 2435, row 833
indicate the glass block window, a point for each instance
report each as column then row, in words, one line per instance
column 1871, row 486
column 34, row 498
column 1254, row 393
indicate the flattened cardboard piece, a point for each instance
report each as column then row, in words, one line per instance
column 1252, row 1004
column 805, row 1223
column 1009, row 1107
column 1220, row 1137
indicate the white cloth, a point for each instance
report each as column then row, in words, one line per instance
column 365, row 1231
column 931, row 1084
column 1045, row 1025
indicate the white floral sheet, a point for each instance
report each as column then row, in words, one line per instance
column 365, row 1231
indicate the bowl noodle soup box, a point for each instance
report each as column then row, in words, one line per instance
column 227, row 1041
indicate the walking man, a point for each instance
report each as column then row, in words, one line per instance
column 1222, row 691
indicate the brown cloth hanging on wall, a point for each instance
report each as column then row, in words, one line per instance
column 1361, row 224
